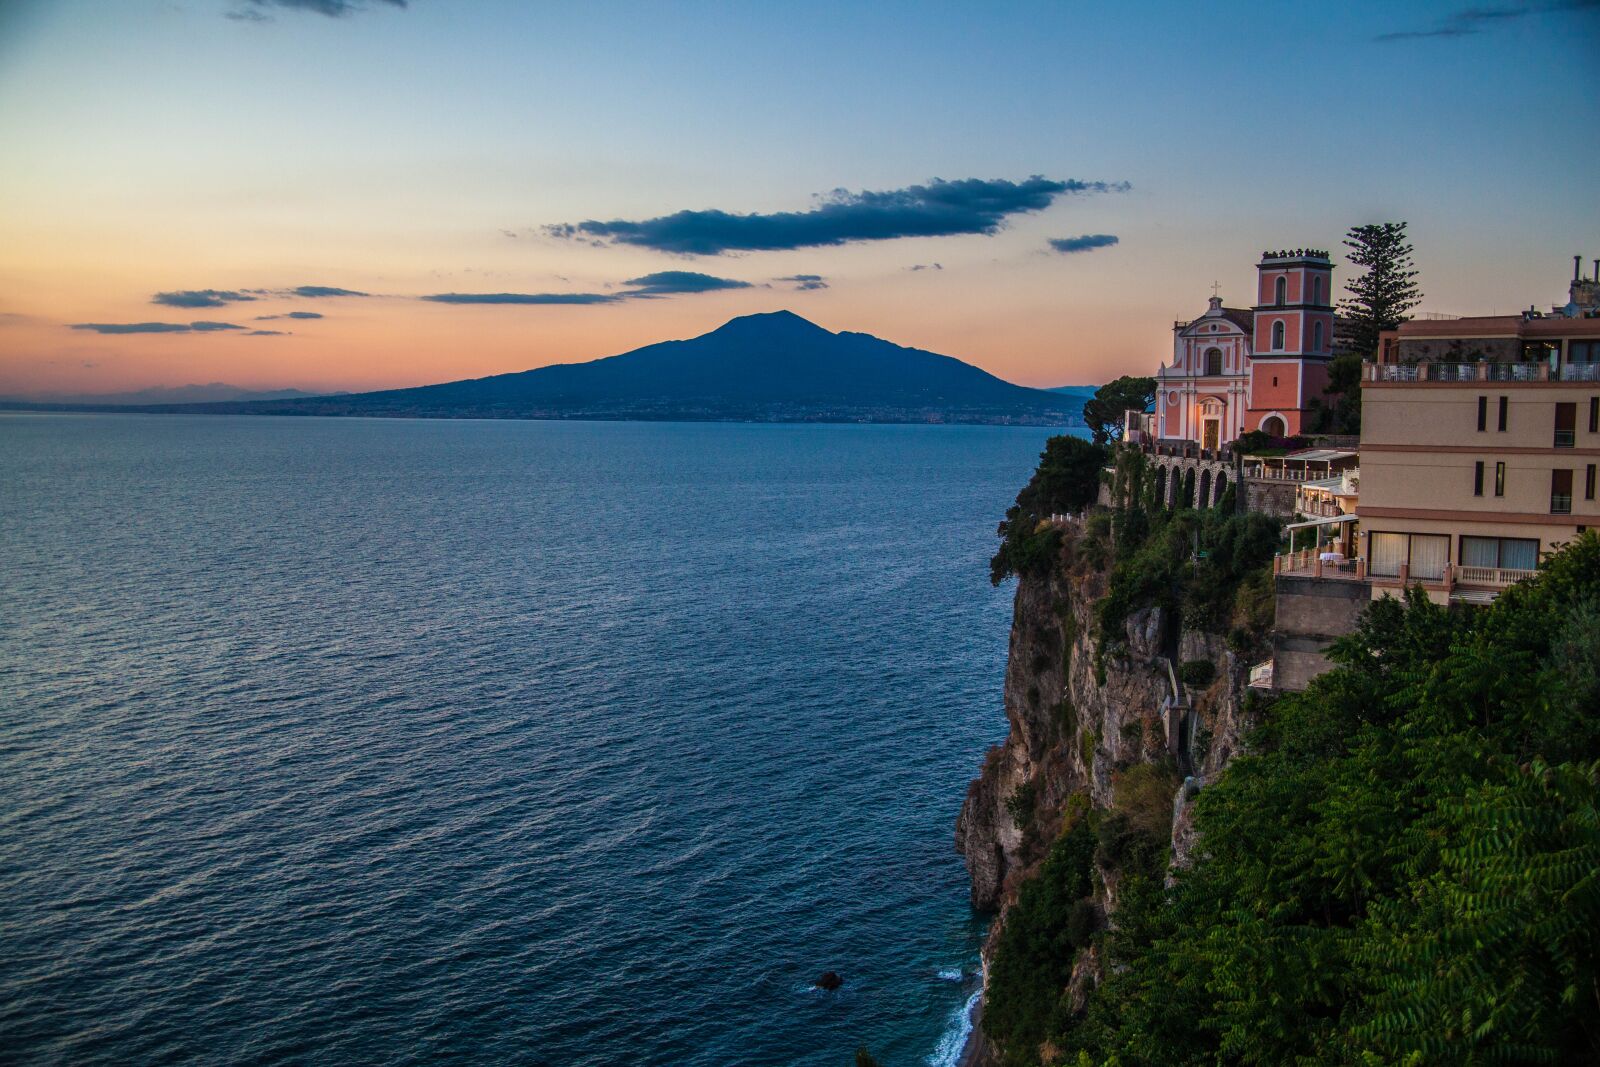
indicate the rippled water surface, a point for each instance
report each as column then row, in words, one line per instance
column 350, row 741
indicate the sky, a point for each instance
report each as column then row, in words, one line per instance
column 357, row 194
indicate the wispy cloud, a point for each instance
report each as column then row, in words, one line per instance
column 291, row 315
column 155, row 327
column 1469, row 21
column 267, row 333
column 200, row 298
column 256, row 10
column 523, row 298
column 925, row 266
column 646, row 287
column 938, row 208
column 1084, row 243
column 804, row 282
column 672, row 282
column 322, row 290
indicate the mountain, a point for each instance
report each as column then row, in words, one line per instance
column 166, row 394
column 769, row 367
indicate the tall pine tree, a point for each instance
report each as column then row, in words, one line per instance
column 1381, row 298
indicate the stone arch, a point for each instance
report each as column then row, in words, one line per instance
column 1274, row 426
column 1161, row 485
column 1186, row 494
column 1203, row 495
column 1221, row 485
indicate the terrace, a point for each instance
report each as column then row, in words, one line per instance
column 1482, row 372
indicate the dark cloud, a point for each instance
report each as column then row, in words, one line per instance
column 671, row 282
column 255, row 10
column 199, row 298
column 155, row 327
column 323, row 290
column 291, row 315
column 1473, row 20
column 266, row 333
column 938, row 209
column 1084, row 243
column 804, row 282
column 523, row 298
column 925, row 266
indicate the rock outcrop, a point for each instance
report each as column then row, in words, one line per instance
column 1078, row 718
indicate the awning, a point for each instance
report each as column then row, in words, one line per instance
column 1329, row 521
column 1318, row 455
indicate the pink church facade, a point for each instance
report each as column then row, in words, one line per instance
column 1234, row 370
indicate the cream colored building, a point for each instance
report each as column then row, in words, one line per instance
column 1480, row 441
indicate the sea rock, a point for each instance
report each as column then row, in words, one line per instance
column 829, row 981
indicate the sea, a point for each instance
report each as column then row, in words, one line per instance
column 351, row 741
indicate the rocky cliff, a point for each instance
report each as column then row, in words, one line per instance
column 1079, row 722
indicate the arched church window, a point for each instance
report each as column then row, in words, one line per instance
column 1213, row 361
column 1316, row 291
column 1277, row 335
column 1283, row 291
column 1316, row 337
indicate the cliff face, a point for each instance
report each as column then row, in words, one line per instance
column 1074, row 729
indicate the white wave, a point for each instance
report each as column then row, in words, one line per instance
column 951, row 974
column 954, row 1039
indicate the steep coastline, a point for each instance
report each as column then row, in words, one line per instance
column 1079, row 722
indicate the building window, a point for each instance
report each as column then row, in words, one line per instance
column 1500, row 479
column 1594, row 414
column 1277, row 335
column 1541, row 351
column 1213, row 361
column 1281, row 295
column 1274, row 379
column 1316, row 337
column 1316, row 291
column 1583, row 351
column 1483, row 413
column 1501, row 553
column 1588, row 482
column 1502, row 425
column 1477, row 478
column 1424, row 554
column 1561, row 492
column 1566, row 425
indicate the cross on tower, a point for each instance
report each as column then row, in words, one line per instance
column 1215, row 286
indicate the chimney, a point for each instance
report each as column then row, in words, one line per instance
column 1597, row 270
column 1577, row 268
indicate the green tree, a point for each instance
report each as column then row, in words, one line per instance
column 1381, row 297
column 1067, row 480
column 1103, row 412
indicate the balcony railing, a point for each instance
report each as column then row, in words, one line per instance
column 1482, row 372
column 1308, row 562
column 1498, row 577
column 1566, row 438
column 1561, row 503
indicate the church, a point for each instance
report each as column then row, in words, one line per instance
column 1235, row 370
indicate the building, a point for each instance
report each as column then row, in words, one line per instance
column 1235, row 370
column 1480, row 439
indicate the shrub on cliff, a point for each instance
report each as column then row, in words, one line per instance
column 1067, row 480
column 1404, row 867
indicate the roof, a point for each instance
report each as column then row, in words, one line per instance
column 1329, row 521
column 1319, row 455
column 1243, row 318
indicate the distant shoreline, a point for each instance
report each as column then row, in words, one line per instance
column 823, row 420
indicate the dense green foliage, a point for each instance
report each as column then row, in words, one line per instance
column 1103, row 412
column 1197, row 562
column 1405, row 867
column 1381, row 297
column 1067, row 480
column 1026, row 1000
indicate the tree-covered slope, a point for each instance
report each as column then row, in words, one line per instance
column 1404, row 868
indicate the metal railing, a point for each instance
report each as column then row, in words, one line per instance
column 1561, row 503
column 1309, row 561
column 1566, row 438
column 1482, row 372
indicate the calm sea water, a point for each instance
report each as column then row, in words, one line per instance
column 349, row 741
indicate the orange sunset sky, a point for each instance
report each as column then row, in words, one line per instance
column 409, row 150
